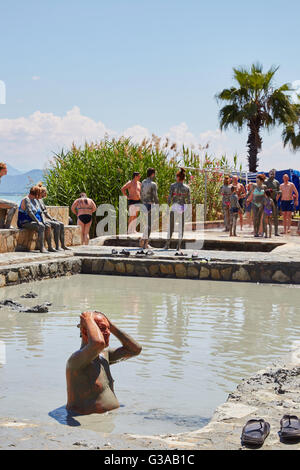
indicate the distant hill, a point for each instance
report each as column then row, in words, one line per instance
column 19, row 183
column 11, row 171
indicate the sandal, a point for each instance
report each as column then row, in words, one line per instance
column 149, row 253
column 125, row 252
column 179, row 253
column 290, row 427
column 114, row 252
column 255, row 432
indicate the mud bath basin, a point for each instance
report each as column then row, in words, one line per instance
column 199, row 338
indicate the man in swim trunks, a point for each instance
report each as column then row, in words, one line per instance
column 149, row 197
column 132, row 190
column 89, row 382
column 274, row 185
column 288, row 190
column 241, row 194
column 84, row 207
column 9, row 206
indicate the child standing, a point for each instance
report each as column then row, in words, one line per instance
column 235, row 207
column 269, row 210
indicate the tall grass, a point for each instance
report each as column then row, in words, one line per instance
column 101, row 169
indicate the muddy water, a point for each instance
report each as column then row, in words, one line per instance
column 199, row 339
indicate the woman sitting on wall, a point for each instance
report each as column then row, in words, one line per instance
column 57, row 225
column 30, row 218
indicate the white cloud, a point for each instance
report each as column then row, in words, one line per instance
column 29, row 142
column 35, row 77
column 296, row 87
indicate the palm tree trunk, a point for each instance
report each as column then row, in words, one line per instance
column 254, row 145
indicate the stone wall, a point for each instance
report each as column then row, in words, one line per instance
column 265, row 272
column 20, row 273
column 16, row 239
column 25, row 240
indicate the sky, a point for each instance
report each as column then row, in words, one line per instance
column 75, row 70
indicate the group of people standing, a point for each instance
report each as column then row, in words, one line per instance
column 260, row 201
column 145, row 193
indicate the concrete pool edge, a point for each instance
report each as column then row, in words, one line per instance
column 274, row 271
column 269, row 394
column 279, row 272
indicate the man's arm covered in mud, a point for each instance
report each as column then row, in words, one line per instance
column 96, row 343
column 129, row 347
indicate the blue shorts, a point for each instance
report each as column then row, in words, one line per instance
column 287, row 206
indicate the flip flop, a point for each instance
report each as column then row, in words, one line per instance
column 290, row 427
column 255, row 432
column 149, row 253
column 125, row 252
column 179, row 253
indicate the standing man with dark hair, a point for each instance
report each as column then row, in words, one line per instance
column 149, row 197
column 274, row 186
column 132, row 190
column 11, row 207
column 288, row 202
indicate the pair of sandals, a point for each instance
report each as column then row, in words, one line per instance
column 145, row 253
column 256, row 431
column 122, row 252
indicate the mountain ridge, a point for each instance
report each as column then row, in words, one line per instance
column 19, row 183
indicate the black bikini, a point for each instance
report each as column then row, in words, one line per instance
column 85, row 218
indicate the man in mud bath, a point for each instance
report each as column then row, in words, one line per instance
column 89, row 381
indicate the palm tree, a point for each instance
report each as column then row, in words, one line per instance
column 257, row 104
column 291, row 134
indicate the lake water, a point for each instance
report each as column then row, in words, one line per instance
column 12, row 197
column 199, row 338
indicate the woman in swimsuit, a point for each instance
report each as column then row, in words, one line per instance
column 257, row 191
column 84, row 207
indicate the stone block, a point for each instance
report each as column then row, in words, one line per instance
column 280, row 277
column 215, row 274
column 166, row 269
column 241, row 275
column 192, row 272
column 12, row 276
column 120, row 267
column 180, row 270
column 226, row 274
column 108, row 267
column 204, row 273
column 2, row 280
column 153, row 269
column 129, row 268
